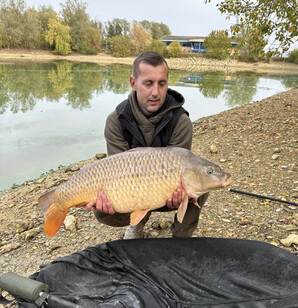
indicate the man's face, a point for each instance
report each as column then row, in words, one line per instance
column 151, row 87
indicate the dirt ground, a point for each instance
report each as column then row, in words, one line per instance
column 256, row 143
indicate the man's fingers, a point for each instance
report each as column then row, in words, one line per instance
column 110, row 208
column 175, row 199
column 99, row 205
column 179, row 196
column 90, row 206
column 170, row 203
column 103, row 205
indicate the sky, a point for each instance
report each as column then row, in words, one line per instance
column 183, row 17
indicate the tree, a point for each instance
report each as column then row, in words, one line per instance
column 217, row 44
column 45, row 13
column 12, row 21
column 31, row 30
column 1, row 38
column 121, row 45
column 58, row 37
column 293, row 56
column 175, row 50
column 24, row 27
column 140, row 38
column 251, row 43
column 158, row 30
column 158, row 46
column 274, row 20
column 93, row 41
column 117, row 27
column 75, row 16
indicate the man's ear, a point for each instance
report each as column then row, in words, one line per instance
column 132, row 82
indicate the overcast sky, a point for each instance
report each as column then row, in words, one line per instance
column 183, row 17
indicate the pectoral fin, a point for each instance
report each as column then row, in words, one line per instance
column 182, row 209
column 137, row 216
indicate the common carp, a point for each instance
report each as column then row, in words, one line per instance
column 135, row 181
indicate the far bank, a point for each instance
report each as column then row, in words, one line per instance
column 190, row 63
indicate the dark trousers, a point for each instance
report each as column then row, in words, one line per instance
column 184, row 229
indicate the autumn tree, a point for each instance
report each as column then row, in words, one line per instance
column 45, row 13
column 58, row 37
column 275, row 21
column 24, row 27
column 140, row 38
column 251, row 43
column 83, row 34
column 121, row 45
column 175, row 49
column 217, row 44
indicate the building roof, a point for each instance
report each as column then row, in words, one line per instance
column 183, row 38
column 187, row 38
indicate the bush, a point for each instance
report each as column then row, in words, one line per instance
column 121, row 46
column 175, row 50
column 217, row 45
column 293, row 56
column 158, row 46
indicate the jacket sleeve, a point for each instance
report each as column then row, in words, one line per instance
column 113, row 135
column 182, row 134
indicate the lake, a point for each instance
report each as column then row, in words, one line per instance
column 53, row 114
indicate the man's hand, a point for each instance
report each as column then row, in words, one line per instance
column 175, row 201
column 102, row 204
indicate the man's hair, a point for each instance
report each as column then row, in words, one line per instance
column 150, row 57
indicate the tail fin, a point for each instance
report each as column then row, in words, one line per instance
column 54, row 213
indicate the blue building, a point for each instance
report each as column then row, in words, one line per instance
column 189, row 43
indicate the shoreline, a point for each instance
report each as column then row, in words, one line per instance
column 189, row 64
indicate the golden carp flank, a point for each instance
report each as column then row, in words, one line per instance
column 137, row 181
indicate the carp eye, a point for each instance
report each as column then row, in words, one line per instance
column 210, row 170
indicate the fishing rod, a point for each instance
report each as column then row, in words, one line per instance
column 261, row 196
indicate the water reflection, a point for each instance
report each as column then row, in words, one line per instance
column 212, row 84
column 22, row 85
column 241, row 89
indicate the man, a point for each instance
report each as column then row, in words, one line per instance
column 151, row 116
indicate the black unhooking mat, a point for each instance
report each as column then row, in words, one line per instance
column 186, row 272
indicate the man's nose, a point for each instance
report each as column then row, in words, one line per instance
column 155, row 90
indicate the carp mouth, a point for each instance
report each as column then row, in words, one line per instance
column 227, row 181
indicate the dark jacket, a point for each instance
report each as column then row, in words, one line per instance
column 127, row 127
column 163, row 131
